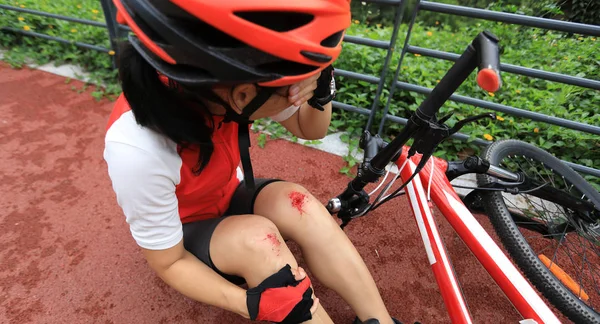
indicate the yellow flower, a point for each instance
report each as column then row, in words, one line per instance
column 73, row 30
column 95, row 11
column 518, row 91
column 536, row 130
column 417, row 55
column 22, row 6
column 488, row 137
column 438, row 81
column 26, row 27
column 593, row 39
column 79, row 6
column 437, row 22
column 429, row 33
column 499, row 118
column 378, row 25
column 357, row 22
column 21, row 18
column 111, row 52
column 491, row 94
column 580, row 38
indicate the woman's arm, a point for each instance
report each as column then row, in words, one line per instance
column 144, row 182
column 309, row 123
column 194, row 279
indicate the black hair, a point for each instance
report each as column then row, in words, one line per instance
column 166, row 107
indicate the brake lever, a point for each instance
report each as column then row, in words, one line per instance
column 460, row 124
column 433, row 133
column 445, row 118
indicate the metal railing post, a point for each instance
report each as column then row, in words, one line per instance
column 397, row 73
column 390, row 51
column 114, row 32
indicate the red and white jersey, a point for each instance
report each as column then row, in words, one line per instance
column 154, row 182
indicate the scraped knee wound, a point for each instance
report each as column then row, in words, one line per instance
column 298, row 200
column 273, row 240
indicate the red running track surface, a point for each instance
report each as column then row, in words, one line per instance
column 67, row 255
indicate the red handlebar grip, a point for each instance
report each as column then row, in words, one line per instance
column 488, row 80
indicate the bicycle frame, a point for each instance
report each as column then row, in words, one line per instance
column 501, row 269
column 428, row 131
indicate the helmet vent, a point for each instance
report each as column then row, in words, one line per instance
column 194, row 28
column 333, row 40
column 281, row 21
column 208, row 34
column 287, row 68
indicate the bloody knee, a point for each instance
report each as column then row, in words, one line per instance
column 298, row 199
column 310, row 210
column 262, row 237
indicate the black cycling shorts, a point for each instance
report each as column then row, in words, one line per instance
column 197, row 234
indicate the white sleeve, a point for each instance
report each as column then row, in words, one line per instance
column 145, row 190
column 285, row 114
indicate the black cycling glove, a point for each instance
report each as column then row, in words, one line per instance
column 281, row 299
column 325, row 91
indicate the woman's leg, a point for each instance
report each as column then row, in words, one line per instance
column 330, row 255
column 251, row 247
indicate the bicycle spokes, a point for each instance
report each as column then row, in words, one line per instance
column 567, row 240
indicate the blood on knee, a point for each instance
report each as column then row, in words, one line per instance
column 272, row 239
column 298, row 200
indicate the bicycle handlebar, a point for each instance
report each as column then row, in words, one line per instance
column 488, row 77
column 483, row 54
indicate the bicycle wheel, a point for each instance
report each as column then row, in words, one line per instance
column 553, row 246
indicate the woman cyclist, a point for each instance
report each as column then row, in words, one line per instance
column 195, row 74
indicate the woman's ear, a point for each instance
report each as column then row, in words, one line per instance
column 241, row 95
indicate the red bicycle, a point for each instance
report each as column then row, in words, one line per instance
column 536, row 212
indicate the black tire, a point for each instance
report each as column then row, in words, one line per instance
column 513, row 240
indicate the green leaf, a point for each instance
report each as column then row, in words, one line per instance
column 262, row 140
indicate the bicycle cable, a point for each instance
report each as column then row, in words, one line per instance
column 502, row 189
column 430, row 179
column 382, row 192
column 381, row 183
column 393, row 194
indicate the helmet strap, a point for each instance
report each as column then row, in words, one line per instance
column 244, row 130
column 244, row 118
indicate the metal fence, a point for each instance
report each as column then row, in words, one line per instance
column 116, row 31
column 400, row 6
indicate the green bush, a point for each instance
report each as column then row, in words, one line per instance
column 582, row 11
column 530, row 47
column 41, row 51
column 550, row 51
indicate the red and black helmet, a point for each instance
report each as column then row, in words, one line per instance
column 269, row 42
